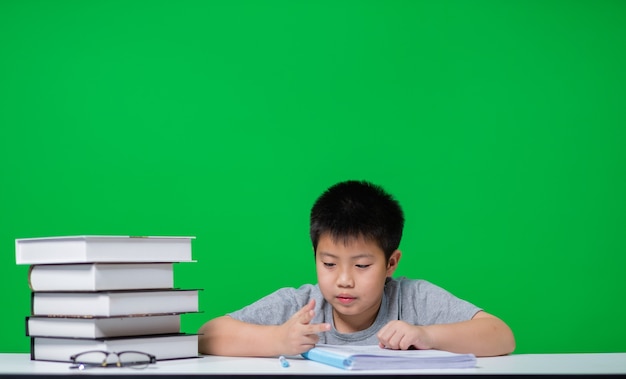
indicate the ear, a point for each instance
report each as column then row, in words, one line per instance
column 392, row 264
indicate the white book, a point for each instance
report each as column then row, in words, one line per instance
column 101, row 327
column 375, row 358
column 88, row 249
column 114, row 303
column 101, row 276
column 163, row 347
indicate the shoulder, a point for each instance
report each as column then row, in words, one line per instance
column 305, row 291
column 426, row 303
column 413, row 288
column 403, row 283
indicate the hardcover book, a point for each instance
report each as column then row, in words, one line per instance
column 114, row 303
column 101, row 276
column 101, row 327
column 164, row 347
column 89, row 249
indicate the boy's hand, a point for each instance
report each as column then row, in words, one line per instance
column 399, row 335
column 298, row 334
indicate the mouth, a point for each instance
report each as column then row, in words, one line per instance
column 345, row 299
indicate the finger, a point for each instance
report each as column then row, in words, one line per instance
column 307, row 307
column 382, row 343
column 304, row 310
column 382, row 331
column 317, row 328
column 386, row 332
column 305, row 315
column 383, row 336
column 404, row 343
column 386, row 338
column 310, row 305
column 395, row 340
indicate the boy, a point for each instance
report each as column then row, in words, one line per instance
column 356, row 229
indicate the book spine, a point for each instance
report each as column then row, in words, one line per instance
column 32, row 349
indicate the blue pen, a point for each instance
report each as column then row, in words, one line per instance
column 283, row 361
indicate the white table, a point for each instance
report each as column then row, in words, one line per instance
column 214, row 366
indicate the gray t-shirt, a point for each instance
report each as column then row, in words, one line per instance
column 416, row 302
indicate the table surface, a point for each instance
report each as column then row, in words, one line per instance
column 517, row 364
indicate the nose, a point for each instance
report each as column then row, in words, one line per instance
column 344, row 279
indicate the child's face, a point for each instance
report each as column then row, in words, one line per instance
column 352, row 278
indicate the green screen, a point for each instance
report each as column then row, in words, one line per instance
column 500, row 126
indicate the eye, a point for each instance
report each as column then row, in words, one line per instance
column 326, row 264
column 362, row 266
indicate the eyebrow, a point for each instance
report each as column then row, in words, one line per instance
column 362, row 255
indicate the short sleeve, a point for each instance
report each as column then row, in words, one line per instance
column 275, row 308
column 427, row 304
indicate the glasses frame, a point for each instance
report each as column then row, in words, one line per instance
column 118, row 363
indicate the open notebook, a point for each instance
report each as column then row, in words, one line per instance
column 375, row 358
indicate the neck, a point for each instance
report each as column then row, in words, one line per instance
column 354, row 323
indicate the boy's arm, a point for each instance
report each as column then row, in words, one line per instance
column 484, row 335
column 228, row 336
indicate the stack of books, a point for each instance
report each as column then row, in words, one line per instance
column 110, row 293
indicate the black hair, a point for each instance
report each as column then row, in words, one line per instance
column 354, row 209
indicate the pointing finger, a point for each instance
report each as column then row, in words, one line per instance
column 318, row 328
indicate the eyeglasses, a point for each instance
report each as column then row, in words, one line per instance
column 101, row 358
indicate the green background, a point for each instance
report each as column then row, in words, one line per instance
column 499, row 126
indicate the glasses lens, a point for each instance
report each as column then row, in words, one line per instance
column 95, row 358
column 134, row 359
